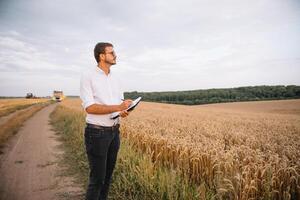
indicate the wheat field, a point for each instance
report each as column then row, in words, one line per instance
column 247, row 150
column 8, row 106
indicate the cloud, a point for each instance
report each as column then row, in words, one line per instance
column 25, row 65
column 161, row 45
column 24, row 57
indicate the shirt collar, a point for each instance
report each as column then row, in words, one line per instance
column 98, row 69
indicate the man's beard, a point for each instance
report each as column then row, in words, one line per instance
column 111, row 63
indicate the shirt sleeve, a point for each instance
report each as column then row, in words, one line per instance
column 86, row 93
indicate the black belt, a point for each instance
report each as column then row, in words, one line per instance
column 107, row 128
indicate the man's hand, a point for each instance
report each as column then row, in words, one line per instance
column 124, row 113
column 125, row 104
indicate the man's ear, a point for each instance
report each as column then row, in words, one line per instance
column 101, row 56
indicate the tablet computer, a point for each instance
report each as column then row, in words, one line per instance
column 134, row 103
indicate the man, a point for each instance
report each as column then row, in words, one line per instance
column 101, row 96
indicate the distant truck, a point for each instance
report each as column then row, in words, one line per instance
column 58, row 96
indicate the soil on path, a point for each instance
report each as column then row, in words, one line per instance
column 29, row 166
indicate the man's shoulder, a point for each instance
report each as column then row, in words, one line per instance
column 87, row 73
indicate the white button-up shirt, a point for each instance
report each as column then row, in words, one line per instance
column 98, row 88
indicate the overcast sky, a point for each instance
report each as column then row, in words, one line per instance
column 161, row 45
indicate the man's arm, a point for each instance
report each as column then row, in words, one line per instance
column 89, row 104
column 107, row 109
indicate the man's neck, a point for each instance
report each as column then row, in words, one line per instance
column 105, row 67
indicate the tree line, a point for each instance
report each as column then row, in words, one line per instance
column 206, row 96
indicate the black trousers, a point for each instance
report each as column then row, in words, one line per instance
column 102, row 146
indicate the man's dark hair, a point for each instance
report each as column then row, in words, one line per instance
column 100, row 49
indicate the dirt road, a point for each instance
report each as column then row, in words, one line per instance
column 29, row 165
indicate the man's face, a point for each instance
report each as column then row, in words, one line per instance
column 110, row 56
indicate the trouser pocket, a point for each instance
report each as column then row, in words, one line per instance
column 97, row 142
